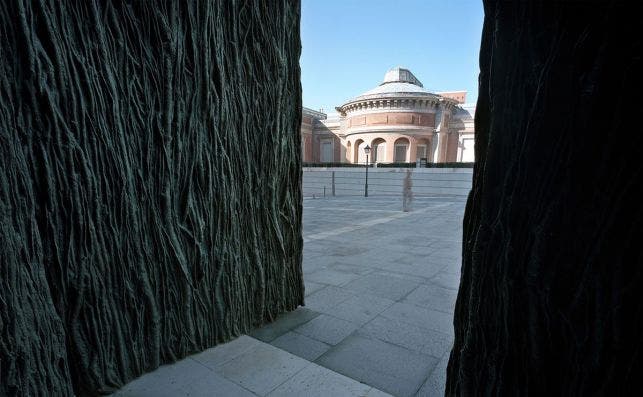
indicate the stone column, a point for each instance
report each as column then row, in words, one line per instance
column 442, row 128
column 390, row 150
column 430, row 151
column 442, row 146
column 452, row 146
column 413, row 147
column 337, row 149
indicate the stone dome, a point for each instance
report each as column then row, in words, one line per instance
column 397, row 81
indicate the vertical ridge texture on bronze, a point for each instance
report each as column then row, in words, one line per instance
column 552, row 263
column 149, row 184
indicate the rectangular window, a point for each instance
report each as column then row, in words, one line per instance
column 326, row 151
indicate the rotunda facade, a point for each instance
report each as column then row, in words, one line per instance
column 399, row 120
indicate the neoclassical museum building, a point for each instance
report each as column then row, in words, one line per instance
column 399, row 120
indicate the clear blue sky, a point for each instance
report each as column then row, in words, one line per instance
column 348, row 45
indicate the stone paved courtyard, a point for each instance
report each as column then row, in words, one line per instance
column 381, row 286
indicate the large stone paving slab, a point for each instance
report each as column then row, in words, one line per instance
column 327, row 329
column 435, row 385
column 316, row 381
column 360, row 269
column 385, row 366
column 327, row 298
column 409, row 336
column 301, row 345
column 183, row 378
column 283, row 324
column 388, row 286
column 425, row 270
column 433, row 297
column 361, row 309
column 221, row 354
column 262, row 368
column 335, row 276
column 420, row 316
column 312, row 287
column 447, row 280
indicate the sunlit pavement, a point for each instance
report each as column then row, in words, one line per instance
column 381, row 286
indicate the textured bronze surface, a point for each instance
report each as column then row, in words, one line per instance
column 150, row 191
column 552, row 265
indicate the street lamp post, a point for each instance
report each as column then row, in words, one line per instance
column 367, row 150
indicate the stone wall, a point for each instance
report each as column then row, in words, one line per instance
column 552, row 266
column 150, row 195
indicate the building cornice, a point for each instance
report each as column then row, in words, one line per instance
column 388, row 102
column 401, row 128
column 406, row 101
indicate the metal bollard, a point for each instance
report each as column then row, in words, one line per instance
column 333, row 184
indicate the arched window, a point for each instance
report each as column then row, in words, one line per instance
column 358, row 149
column 378, row 148
column 401, row 150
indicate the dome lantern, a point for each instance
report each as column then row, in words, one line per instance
column 401, row 75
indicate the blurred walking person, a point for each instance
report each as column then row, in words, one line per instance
column 407, row 192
